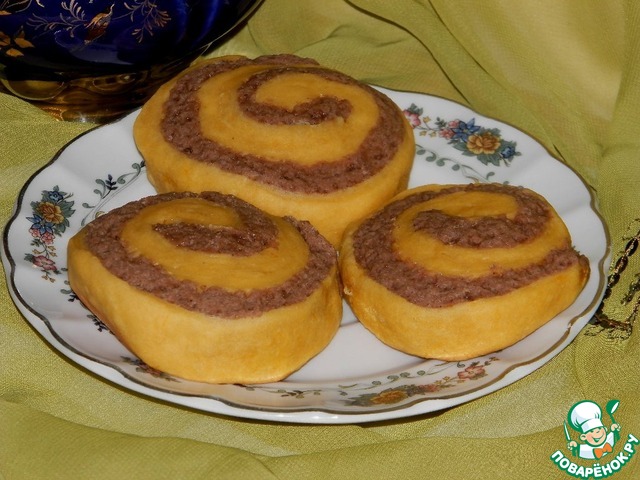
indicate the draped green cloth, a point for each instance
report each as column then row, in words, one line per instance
column 566, row 73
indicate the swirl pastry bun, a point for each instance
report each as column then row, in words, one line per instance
column 456, row 271
column 208, row 287
column 281, row 132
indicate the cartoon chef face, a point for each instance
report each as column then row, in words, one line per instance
column 586, row 418
column 595, row 437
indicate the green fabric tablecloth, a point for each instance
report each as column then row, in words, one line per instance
column 567, row 73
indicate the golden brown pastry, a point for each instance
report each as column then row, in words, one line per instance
column 281, row 132
column 456, row 271
column 208, row 287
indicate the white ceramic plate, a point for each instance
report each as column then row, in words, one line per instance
column 356, row 378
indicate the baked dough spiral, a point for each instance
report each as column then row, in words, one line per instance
column 208, row 287
column 456, row 271
column 281, row 132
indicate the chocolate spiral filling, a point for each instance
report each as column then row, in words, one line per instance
column 374, row 249
column 103, row 236
column 181, row 127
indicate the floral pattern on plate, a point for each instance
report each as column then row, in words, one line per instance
column 49, row 220
column 466, row 372
column 484, row 144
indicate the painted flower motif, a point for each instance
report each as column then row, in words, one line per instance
column 51, row 212
column 43, row 232
column 39, row 226
column 508, row 152
column 389, row 397
column 472, row 372
column 55, row 196
column 450, row 131
column 413, row 117
column 430, row 388
column 487, row 143
column 463, row 130
column 44, row 263
column 47, row 238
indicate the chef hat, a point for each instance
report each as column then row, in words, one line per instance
column 585, row 416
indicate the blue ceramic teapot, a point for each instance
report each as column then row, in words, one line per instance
column 96, row 59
